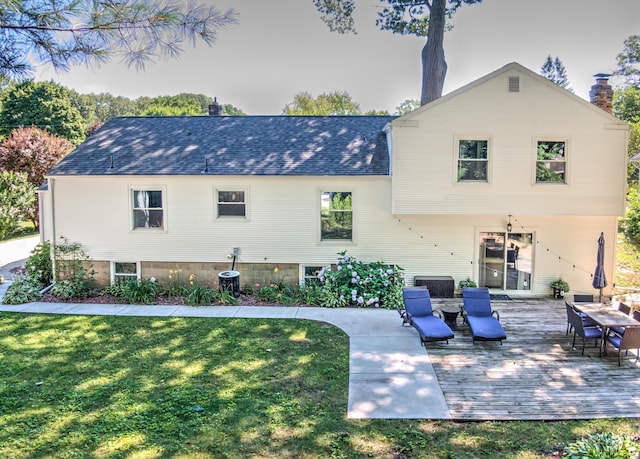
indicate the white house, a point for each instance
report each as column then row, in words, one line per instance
column 508, row 181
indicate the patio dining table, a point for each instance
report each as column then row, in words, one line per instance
column 605, row 316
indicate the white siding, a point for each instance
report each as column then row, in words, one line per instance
column 283, row 227
column 425, row 153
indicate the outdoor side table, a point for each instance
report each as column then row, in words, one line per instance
column 450, row 314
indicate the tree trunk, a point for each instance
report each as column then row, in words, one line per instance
column 434, row 66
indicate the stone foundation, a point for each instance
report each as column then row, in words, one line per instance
column 205, row 274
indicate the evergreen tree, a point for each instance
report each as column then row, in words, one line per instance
column 554, row 70
column 66, row 32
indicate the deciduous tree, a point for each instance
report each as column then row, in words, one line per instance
column 45, row 105
column 423, row 18
column 102, row 107
column 32, row 151
column 407, row 106
column 17, row 199
column 66, row 32
column 626, row 104
column 629, row 61
column 333, row 103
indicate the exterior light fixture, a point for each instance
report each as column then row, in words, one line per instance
column 509, row 225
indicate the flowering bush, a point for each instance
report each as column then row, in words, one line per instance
column 356, row 283
column 273, row 292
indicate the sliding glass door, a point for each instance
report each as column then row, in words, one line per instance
column 505, row 260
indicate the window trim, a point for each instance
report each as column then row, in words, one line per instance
column 132, row 206
column 113, row 273
column 539, row 139
column 337, row 189
column 456, row 157
column 216, row 203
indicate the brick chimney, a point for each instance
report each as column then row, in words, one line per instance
column 215, row 109
column 601, row 93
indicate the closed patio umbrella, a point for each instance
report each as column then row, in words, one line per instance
column 599, row 277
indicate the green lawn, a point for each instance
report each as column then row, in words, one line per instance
column 627, row 264
column 128, row 387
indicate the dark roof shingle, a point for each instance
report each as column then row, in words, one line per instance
column 233, row 145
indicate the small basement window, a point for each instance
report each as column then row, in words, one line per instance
column 122, row 271
column 310, row 275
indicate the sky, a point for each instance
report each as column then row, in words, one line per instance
column 280, row 48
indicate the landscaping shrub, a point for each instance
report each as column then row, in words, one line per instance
column 144, row 291
column 22, row 290
column 73, row 278
column 603, row 446
column 177, row 286
column 354, row 282
column 311, row 295
column 39, row 265
column 276, row 292
column 201, row 295
column 72, row 288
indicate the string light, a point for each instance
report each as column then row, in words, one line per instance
column 521, row 226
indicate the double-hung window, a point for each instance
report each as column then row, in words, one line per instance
column 148, row 211
column 473, row 160
column 336, row 216
column 231, row 203
column 551, row 161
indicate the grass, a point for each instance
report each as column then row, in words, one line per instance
column 627, row 264
column 26, row 230
column 129, row 387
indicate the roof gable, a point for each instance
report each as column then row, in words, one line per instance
column 511, row 68
column 233, row 145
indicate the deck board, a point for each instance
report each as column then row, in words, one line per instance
column 533, row 375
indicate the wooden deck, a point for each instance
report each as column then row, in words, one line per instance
column 533, row 375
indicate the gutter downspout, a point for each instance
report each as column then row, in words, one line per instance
column 53, row 229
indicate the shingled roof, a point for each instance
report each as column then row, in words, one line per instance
column 233, row 145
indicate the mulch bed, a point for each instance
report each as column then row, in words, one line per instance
column 244, row 300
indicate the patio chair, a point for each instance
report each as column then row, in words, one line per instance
column 586, row 320
column 629, row 340
column 583, row 332
column 420, row 315
column 480, row 316
column 636, row 315
column 582, row 298
column 625, row 309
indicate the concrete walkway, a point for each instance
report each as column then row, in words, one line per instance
column 390, row 375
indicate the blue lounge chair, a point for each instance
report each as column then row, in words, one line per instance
column 420, row 315
column 480, row 316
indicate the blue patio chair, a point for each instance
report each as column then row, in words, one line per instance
column 630, row 339
column 586, row 320
column 420, row 315
column 580, row 330
column 625, row 309
column 480, row 316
